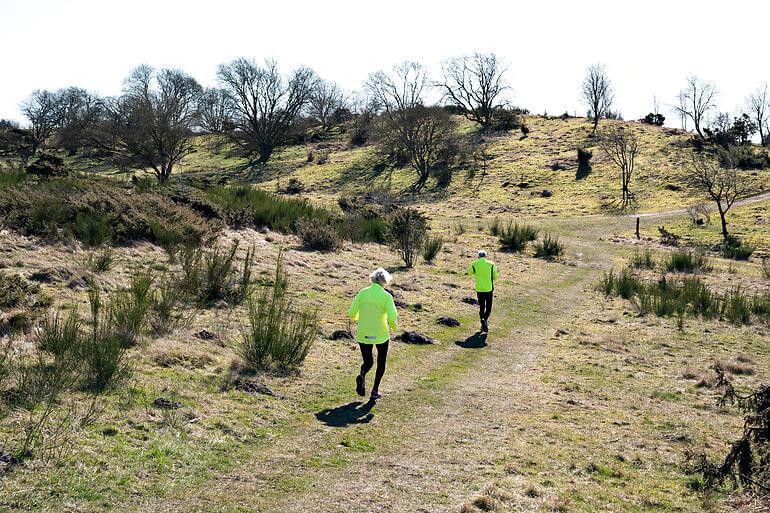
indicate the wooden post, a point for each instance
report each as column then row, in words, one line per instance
column 637, row 229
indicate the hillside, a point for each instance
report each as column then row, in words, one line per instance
column 576, row 400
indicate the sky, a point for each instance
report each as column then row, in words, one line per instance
column 648, row 47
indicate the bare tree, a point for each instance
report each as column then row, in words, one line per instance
column 325, row 102
column 720, row 181
column 265, row 105
column 152, row 123
column 758, row 105
column 474, row 84
column 81, row 111
column 43, row 109
column 695, row 101
column 421, row 134
column 214, row 110
column 597, row 93
column 621, row 145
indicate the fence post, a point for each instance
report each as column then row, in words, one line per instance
column 637, row 229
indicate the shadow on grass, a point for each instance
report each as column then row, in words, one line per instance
column 352, row 413
column 475, row 341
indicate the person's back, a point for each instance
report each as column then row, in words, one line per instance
column 485, row 274
column 374, row 310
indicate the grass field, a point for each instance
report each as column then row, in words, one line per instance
column 573, row 402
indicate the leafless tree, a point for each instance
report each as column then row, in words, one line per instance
column 325, row 102
column 758, row 105
column 152, row 123
column 474, row 84
column 695, row 102
column 597, row 93
column 621, row 145
column 265, row 105
column 43, row 109
column 720, row 181
column 81, row 111
column 214, row 109
column 421, row 134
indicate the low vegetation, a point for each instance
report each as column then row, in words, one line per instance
column 686, row 262
column 549, row 247
column 213, row 276
column 515, row 237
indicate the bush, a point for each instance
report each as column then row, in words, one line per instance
column 765, row 268
column 687, row 262
column 624, row 284
column 168, row 302
column 278, row 334
column 15, row 290
column 363, row 228
column 734, row 248
column 47, row 166
column 643, row 260
column 507, row 119
column 654, row 119
column 189, row 196
column 212, row 276
column 318, row 235
column 584, row 162
column 10, row 177
column 495, row 227
column 406, row 233
column 549, row 248
column 92, row 228
column 128, row 310
column 515, row 237
column 432, row 247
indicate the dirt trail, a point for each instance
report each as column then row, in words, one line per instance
column 429, row 444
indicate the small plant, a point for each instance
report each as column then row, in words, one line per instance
column 737, row 307
column 129, row 309
column 318, row 235
column 765, row 268
column 278, row 334
column 92, row 229
column 495, row 227
column 735, row 248
column 432, row 248
column 458, row 228
column 407, row 231
column 167, row 312
column 102, row 261
column 687, row 262
column 643, row 260
column 213, row 276
column 549, row 248
column 515, row 237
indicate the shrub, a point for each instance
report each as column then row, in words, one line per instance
column 167, row 311
column 318, row 235
column 47, row 166
column 495, row 227
column 643, row 260
column 733, row 247
column 507, row 119
column 687, row 262
column 654, row 119
column 624, row 284
column 278, row 334
column 102, row 261
column 128, row 310
column 189, row 196
column 760, row 307
column 211, row 276
column 91, row 228
column 10, row 177
column 15, row 290
column 515, row 237
column 765, row 268
column 364, row 228
column 737, row 307
column 60, row 335
column 432, row 247
column 584, row 162
column 406, row 233
column 549, row 248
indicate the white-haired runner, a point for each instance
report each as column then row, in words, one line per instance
column 485, row 273
column 375, row 312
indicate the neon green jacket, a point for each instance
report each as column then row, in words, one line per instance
column 374, row 310
column 485, row 272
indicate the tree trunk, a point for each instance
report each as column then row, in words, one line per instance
column 723, row 218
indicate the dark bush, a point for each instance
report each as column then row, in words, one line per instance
column 190, row 197
column 584, row 163
column 432, row 247
column 733, row 247
column 654, row 119
column 643, row 260
column 507, row 119
column 406, row 233
column 548, row 248
column 47, row 166
column 687, row 262
column 515, row 237
column 318, row 235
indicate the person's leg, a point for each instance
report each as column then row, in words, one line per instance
column 368, row 359
column 480, row 297
column 382, row 356
column 488, row 309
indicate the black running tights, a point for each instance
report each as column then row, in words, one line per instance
column 367, row 354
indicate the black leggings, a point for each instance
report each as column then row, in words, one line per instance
column 382, row 355
column 485, row 304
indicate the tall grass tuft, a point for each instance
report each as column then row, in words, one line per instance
column 167, row 312
column 643, row 260
column 549, row 248
column 212, row 276
column 102, row 261
column 277, row 334
column 515, row 237
column 765, row 268
column 687, row 262
column 128, row 310
column 495, row 227
column 432, row 248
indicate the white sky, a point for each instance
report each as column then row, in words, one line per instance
column 649, row 47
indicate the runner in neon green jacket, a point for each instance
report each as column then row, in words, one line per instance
column 375, row 311
column 485, row 273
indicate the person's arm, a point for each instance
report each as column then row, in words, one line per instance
column 353, row 310
column 390, row 308
column 471, row 270
column 494, row 273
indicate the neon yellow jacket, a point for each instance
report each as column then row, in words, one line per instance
column 374, row 310
column 485, row 272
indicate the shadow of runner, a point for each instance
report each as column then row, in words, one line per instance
column 352, row 413
column 475, row 341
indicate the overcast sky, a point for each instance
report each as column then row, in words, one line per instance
column 648, row 48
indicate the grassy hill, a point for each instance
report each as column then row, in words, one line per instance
column 574, row 402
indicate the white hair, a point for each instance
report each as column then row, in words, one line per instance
column 380, row 276
column 482, row 253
